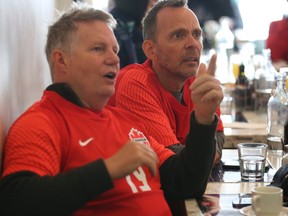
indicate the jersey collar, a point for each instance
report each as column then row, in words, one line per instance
column 64, row 90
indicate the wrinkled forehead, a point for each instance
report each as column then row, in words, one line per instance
column 96, row 31
column 96, row 28
column 171, row 17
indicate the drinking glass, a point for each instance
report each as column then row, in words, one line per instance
column 252, row 159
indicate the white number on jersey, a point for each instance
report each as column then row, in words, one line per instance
column 140, row 176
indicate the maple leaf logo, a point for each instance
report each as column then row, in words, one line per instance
column 137, row 136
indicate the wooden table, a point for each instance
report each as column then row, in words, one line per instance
column 252, row 131
column 222, row 193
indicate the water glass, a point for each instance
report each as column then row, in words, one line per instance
column 252, row 159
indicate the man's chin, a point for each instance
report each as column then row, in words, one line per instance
column 110, row 92
column 191, row 71
column 192, row 65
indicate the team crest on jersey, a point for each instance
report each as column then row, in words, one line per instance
column 137, row 136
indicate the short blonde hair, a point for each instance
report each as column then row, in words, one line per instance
column 62, row 32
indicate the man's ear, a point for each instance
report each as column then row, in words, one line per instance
column 59, row 60
column 149, row 49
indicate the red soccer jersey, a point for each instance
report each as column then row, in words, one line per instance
column 167, row 120
column 55, row 136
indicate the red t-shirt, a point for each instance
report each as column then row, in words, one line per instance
column 139, row 91
column 277, row 40
column 55, row 136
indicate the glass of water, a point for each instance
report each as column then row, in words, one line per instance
column 252, row 159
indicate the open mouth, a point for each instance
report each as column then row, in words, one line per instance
column 110, row 75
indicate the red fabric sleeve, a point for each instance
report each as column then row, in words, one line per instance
column 162, row 152
column 32, row 138
column 134, row 95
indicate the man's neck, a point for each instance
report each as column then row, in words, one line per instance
column 171, row 83
column 64, row 90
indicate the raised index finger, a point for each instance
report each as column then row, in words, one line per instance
column 212, row 65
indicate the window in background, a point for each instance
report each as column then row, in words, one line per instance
column 257, row 16
column 103, row 4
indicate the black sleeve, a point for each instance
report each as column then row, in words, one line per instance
column 185, row 175
column 26, row 193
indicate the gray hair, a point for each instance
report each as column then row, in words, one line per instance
column 149, row 21
column 62, row 32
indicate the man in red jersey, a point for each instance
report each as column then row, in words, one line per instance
column 68, row 154
column 159, row 89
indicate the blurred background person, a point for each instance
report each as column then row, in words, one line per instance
column 277, row 42
column 210, row 12
column 128, row 32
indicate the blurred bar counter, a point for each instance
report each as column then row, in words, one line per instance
column 244, row 126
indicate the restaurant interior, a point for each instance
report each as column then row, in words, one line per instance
column 25, row 74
